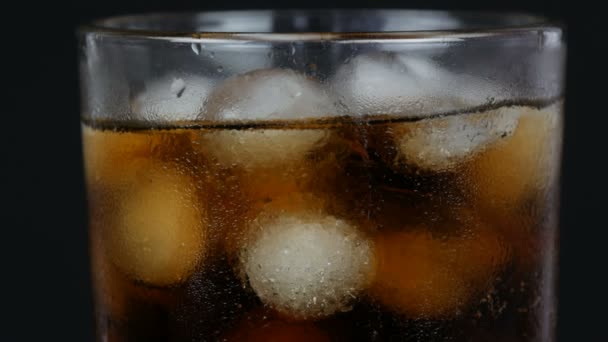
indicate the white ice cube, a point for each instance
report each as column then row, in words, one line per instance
column 159, row 234
column 257, row 148
column 264, row 95
column 406, row 86
column 438, row 144
column 307, row 265
column 398, row 84
column 268, row 94
column 172, row 98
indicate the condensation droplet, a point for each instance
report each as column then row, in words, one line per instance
column 220, row 69
column 195, row 48
column 541, row 40
column 177, row 87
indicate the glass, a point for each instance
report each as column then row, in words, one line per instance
column 323, row 175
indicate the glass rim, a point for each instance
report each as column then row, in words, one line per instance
column 527, row 23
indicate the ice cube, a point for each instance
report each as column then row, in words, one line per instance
column 522, row 164
column 262, row 95
column 172, row 98
column 403, row 85
column 439, row 144
column 257, row 148
column 306, row 264
column 423, row 276
column 252, row 201
column 159, row 233
column 268, row 94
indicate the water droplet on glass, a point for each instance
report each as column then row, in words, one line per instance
column 211, row 54
column 178, row 86
column 196, row 48
column 541, row 40
column 293, row 49
column 220, row 69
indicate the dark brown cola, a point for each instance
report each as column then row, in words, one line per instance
column 370, row 229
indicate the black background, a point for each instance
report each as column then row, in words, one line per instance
column 45, row 280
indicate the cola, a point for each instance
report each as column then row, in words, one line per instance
column 366, row 227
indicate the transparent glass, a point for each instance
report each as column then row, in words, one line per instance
column 372, row 175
